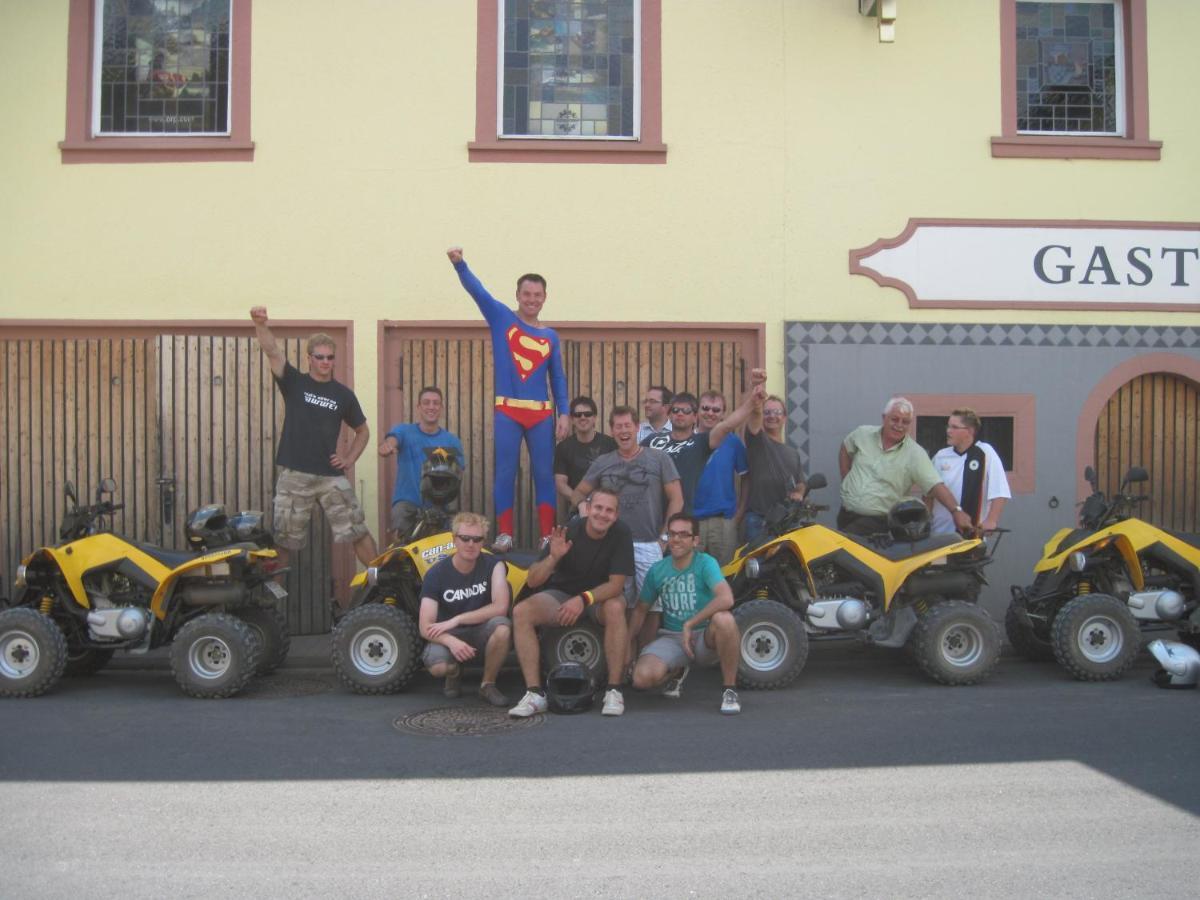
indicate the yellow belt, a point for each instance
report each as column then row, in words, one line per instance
column 514, row 403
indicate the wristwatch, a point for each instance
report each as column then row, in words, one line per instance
column 958, row 509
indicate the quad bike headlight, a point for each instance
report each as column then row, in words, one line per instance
column 21, row 570
column 1077, row 561
column 372, row 575
column 753, row 567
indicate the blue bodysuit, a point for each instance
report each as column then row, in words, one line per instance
column 522, row 356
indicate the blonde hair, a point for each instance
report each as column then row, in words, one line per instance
column 320, row 339
column 970, row 418
column 469, row 518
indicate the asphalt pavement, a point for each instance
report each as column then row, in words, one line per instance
column 863, row 779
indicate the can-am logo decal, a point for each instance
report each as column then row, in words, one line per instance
column 432, row 554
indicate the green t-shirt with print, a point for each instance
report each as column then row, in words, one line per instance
column 681, row 592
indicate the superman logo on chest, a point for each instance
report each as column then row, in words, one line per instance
column 527, row 352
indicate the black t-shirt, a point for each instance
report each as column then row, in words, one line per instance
column 689, row 456
column 774, row 471
column 458, row 593
column 589, row 562
column 571, row 458
column 314, row 413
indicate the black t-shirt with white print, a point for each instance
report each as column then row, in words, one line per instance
column 314, row 413
column 457, row 593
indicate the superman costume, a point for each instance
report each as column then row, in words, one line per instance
column 522, row 356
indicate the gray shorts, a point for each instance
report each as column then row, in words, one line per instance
column 295, row 495
column 404, row 517
column 590, row 613
column 645, row 555
column 475, row 635
column 668, row 647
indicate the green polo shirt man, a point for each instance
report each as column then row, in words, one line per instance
column 879, row 465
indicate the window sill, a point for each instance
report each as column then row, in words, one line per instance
column 1030, row 146
column 156, row 149
column 566, row 151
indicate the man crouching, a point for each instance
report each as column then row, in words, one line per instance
column 582, row 571
column 464, row 611
column 697, row 626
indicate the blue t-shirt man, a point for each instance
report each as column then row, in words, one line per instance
column 715, row 492
column 412, row 444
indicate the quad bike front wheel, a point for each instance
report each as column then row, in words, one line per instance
column 1024, row 639
column 214, row 656
column 33, row 653
column 1096, row 638
column 270, row 625
column 956, row 643
column 773, row 645
column 375, row 649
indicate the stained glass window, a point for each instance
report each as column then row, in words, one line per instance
column 163, row 67
column 570, row 68
column 1069, row 77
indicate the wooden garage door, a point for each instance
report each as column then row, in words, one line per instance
column 613, row 369
column 1153, row 421
column 177, row 421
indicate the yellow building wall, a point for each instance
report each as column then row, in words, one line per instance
column 794, row 136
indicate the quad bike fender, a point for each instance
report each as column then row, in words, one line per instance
column 75, row 559
column 191, row 567
column 422, row 554
column 1116, row 537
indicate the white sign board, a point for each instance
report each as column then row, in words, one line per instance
column 1057, row 265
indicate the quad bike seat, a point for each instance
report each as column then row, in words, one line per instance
column 894, row 550
column 172, row 559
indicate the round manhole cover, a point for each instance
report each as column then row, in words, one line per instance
column 464, row 721
column 269, row 687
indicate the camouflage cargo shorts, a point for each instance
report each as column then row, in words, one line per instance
column 295, row 495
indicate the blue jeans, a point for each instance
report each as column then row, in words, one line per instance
column 753, row 525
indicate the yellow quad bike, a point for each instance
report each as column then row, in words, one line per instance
column 94, row 593
column 802, row 580
column 1097, row 587
column 376, row 647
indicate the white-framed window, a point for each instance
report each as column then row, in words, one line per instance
column 162, row 67
column 1070, row 68
column 569, row 69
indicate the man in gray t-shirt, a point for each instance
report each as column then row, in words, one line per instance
column 647, row 483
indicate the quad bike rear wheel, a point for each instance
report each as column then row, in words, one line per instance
column 581, row 643
column 1024, row 639
column 214, row 656
column 270, row 625
column 956, row 643
column 33, row 653
column 773, row 645
column 1096, row 638
column 375, row 649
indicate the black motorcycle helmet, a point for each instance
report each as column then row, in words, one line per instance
column 440, row 477
column 569, row 688
column 208, row 526
column 908, row 520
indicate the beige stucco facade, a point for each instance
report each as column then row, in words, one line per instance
column 794, row 136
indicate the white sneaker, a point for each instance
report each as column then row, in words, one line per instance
column 675, row 683
column 614, row 703
column 729, row 703
column 531, row 704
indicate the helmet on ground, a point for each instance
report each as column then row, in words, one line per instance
column 569, row 688
column 1180, row 664
column 908, row 520
column 440, row 477
column 208, row 527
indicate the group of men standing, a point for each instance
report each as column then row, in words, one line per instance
column 658, row 502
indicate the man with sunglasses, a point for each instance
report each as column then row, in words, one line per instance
column 311, row 469
column 464, row 611
column 775, row 470
column 582, row 571
column 573, row 455
column 697, row 625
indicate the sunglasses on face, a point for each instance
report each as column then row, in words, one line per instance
column 775, row 413
column 704, row 408
column 582, row 414
column 323, row 357
column 469, row 538
column 681, row 410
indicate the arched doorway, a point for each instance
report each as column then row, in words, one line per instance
column 1153, row 421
